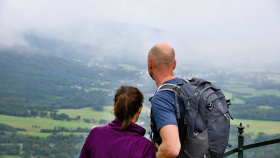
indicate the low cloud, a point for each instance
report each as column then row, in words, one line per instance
column 196, row 29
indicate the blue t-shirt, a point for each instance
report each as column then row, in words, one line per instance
column 164, row 110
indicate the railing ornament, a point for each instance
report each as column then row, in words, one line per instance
column 240, row 129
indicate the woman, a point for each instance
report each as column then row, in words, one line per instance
column 122, row 137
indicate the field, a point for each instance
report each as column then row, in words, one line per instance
column 254, row 127
column 89, row 113
column 251, row 126
column 229, row 95
column 8, row 156
column 242, row 87
column 34, row 125
column 248, row 93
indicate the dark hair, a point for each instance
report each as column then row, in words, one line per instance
column 127, row 100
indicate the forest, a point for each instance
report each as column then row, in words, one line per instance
column 53, row 146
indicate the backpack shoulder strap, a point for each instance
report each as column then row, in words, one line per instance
column 168, row 87
column 176, row 90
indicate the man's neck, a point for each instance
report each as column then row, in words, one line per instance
column 161, row 80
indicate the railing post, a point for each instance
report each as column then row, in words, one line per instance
column 240, row 140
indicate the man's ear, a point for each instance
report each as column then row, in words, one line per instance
column 149, row 63
column 174, row 66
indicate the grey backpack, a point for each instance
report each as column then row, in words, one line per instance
column 206, row 118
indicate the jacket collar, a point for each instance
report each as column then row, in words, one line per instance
column 116, row 124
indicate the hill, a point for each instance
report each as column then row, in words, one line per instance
column 43, row 81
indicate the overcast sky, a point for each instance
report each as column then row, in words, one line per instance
column 248, row 28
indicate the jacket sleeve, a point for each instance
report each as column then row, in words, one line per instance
column 84, row 152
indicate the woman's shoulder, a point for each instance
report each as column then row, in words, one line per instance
column 145, row 147
column 98, row 129
column 141, row 140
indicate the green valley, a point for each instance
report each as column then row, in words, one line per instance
column 47, row 101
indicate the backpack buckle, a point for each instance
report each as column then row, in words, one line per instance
column 228, row 103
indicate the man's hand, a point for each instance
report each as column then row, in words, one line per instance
column 170, row 146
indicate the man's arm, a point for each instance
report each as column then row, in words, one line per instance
column 170, row 146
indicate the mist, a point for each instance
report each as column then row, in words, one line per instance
column 216, row 32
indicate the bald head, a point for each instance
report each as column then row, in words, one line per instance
column 162, row 55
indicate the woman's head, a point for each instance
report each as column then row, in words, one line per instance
column 127, row 100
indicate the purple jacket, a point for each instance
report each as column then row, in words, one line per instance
column 112, row 142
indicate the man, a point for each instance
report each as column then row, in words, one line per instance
column 169, row 130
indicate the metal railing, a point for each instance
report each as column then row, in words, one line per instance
column 241, row 146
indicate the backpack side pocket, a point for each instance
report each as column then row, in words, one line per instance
column 197, row 145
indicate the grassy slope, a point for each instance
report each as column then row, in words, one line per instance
column 9, row 156
column 93, row 114
column 87, row 113
column 43, row 123
column 229, row 95
column 256, row 126
column 243, row 87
